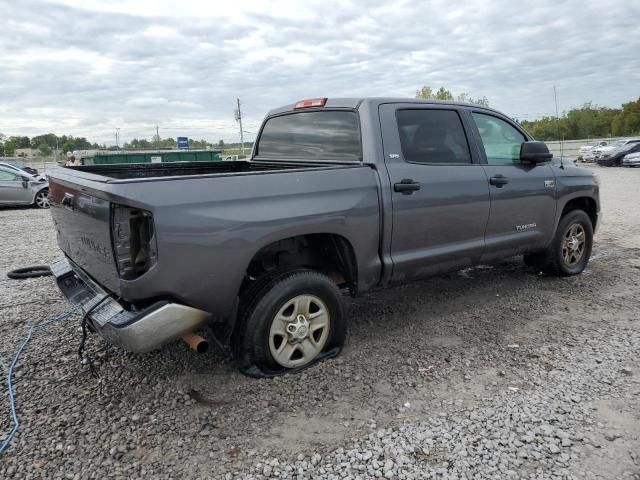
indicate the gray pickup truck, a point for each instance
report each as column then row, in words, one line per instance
column 339, row 195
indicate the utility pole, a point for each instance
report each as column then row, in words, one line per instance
column 118, row 137
column 238, row 113
column 157, row 142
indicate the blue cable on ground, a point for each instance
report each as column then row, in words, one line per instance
column 12, row 400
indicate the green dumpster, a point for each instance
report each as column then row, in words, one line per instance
column 160, row 156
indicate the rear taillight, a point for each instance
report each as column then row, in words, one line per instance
column 312, row 102
column 134, row 241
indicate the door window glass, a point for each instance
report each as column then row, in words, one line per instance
column 432, row 136
column 501, row 141
column 7, row 177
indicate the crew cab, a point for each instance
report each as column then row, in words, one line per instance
column 339, row 195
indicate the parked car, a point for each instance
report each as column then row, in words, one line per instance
column 613, row 158
column 339, row 194
column 585, row 151
column 631, row 160
column 21, row 166
column 20, row 188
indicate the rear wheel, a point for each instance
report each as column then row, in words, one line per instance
column 569, row 252
column 288, row 322
column 42, row 199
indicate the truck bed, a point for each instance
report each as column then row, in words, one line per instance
column 205, row 213
column 155, row 170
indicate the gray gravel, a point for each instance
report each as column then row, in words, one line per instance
column 494, row 372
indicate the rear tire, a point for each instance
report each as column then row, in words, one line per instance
column 289, row 322
column 569, row 252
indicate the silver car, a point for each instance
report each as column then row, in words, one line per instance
column 21, row 188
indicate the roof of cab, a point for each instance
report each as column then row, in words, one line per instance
column 354, row 103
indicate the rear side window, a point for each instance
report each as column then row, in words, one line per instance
column 432, row 136
column 327, row 135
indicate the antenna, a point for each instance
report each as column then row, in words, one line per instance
column 555, row 99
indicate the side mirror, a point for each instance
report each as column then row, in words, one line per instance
column 534, row 152
column 25, row 182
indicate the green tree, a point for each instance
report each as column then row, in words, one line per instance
column 9, row 147
column 22, row 142
column 68, row 146
column 442, row 93
column 49, row 139
column 44, row 149
column 221, row 144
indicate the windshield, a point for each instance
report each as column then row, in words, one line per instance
column 627, row 146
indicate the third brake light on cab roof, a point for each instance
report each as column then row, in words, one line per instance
column 310, row 103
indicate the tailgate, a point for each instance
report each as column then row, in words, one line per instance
column 83, row 227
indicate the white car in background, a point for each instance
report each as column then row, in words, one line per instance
column 631, row 160
column 585, row 152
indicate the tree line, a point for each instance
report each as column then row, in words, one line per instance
column 157, row 142
column 588, row 121
column 45, row 145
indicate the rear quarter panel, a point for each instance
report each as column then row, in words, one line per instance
column 209, row 229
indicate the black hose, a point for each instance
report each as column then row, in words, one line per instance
column 30, row 272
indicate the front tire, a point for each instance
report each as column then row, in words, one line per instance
column 289, row 322
column 41, row 199
column 569, row 252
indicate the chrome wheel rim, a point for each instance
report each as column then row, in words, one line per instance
column 299, row 331
column 42, row 200
column 573, row 244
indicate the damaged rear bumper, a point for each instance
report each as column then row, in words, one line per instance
column 134, row 330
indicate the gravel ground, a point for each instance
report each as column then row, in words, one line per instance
column 493, row 372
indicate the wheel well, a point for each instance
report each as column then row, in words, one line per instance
column 328, row 253
column 583, row 203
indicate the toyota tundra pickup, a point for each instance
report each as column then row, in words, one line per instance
column 339, row 195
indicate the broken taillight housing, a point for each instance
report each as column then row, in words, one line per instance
column 134, row 241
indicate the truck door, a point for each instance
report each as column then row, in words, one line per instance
column 523, row 196
column 440, row 194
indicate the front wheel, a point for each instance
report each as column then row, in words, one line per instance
column 288, row 322
column 42, row 199
column 569, row 252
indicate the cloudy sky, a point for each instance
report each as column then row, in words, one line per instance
column 87, row 67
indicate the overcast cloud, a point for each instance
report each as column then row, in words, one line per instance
column 87, row 67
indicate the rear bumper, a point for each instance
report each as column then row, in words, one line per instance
column 136, row 331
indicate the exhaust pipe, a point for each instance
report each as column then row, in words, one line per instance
column 196, row 342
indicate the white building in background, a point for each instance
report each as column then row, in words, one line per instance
column 25, row 152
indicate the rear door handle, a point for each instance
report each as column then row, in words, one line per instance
column 499, row 180
column 406, row 186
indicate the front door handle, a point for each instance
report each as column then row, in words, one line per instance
column 499, row 180
column 406, row 186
